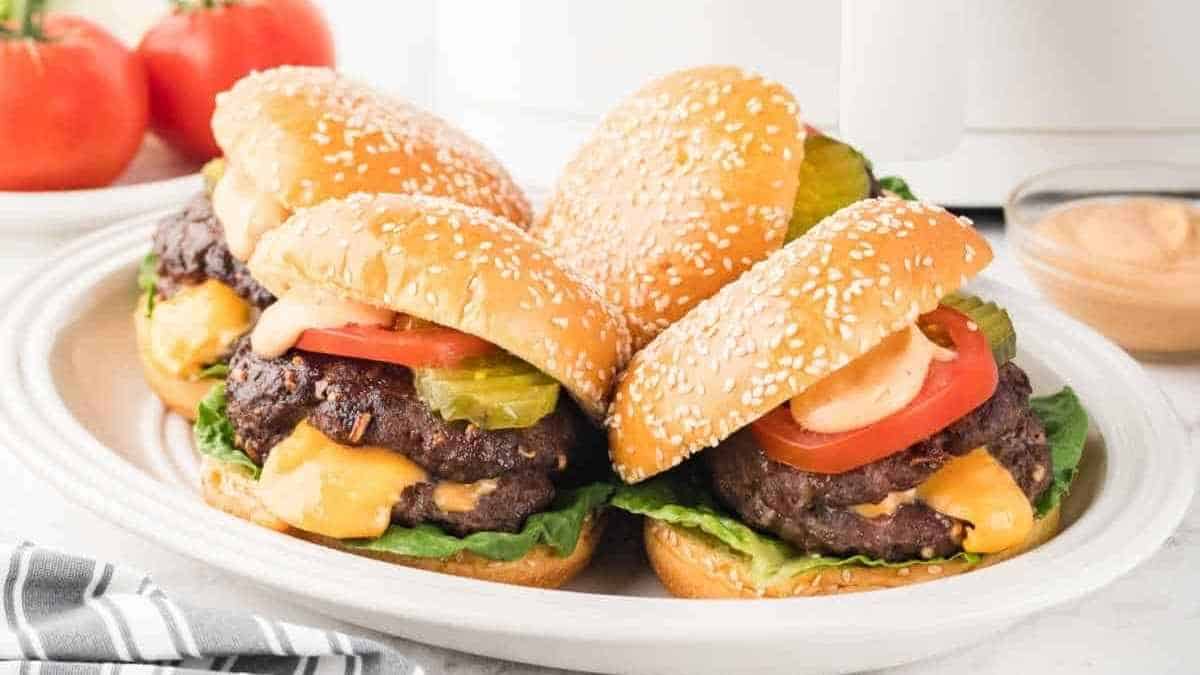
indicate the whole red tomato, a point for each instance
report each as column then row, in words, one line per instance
column 73, row 104
column 198, row 51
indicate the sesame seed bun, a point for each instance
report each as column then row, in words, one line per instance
column 808, row 310
column 692, row 564
column 456, row 266
column 684, row 186
column 233, row 491
column 180, row 395
column 307, row 134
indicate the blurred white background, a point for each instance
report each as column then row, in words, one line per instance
column 1048, row 83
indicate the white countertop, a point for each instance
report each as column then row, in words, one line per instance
column 1146, row 622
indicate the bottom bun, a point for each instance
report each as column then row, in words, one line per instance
column 179, row 394
column 232, row 490
column 692, row 564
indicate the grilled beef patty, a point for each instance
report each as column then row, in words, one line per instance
column 516, row 496
column 191, row 249
column 809, row 509
column 358, row 402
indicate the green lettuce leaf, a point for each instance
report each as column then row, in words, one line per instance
column 147, row 280
column 897, row 185
column 217, row 371
column 680, row 498
column 558, row 528
column 214, row 433
column 1066, row 425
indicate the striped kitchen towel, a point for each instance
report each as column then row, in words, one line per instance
column 67, row 615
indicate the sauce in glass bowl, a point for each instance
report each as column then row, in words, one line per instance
column 1117, row 246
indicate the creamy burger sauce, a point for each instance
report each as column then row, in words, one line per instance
column 454, row 497
column 244, row 211
column 281, row 324
column 878, row 384
column 1129, row 267
column 888, row 505
column 1162, row 233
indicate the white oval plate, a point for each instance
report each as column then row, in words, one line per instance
column 155, row 179
column 73, row 406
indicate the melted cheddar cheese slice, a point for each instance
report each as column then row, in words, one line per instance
column 978, row 489
column 318, row 485
column 196, row 327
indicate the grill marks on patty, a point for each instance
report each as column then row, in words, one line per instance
column 358, row 402
column 351, row 391
column 810, row 510
column 191, row 249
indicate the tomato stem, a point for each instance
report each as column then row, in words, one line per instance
column 29, row 15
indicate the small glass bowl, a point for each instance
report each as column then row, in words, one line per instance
column 1145, row 307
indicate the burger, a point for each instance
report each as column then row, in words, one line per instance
column 425, row 390
column 688, row 182
column 291, row 137
column 863, row 423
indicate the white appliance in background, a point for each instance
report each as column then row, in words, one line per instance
column 926, row 107
column 962, row 97
column 1040, row 84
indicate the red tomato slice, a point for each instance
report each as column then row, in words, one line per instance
column 418, row 348
column 951, row 390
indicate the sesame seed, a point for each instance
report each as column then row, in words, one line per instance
column 654, row 155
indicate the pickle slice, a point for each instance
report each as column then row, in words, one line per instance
column 437, row 389
column 833, row 175
column 499, row 392
column 992, row 319
column 212, row 172
column 501, row 409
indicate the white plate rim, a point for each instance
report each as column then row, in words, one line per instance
column 40, row 430
column 77, row 210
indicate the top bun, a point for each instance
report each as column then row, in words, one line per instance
column 684, row 186
column 860, row 275
column 307, row 134
column 457, row 266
